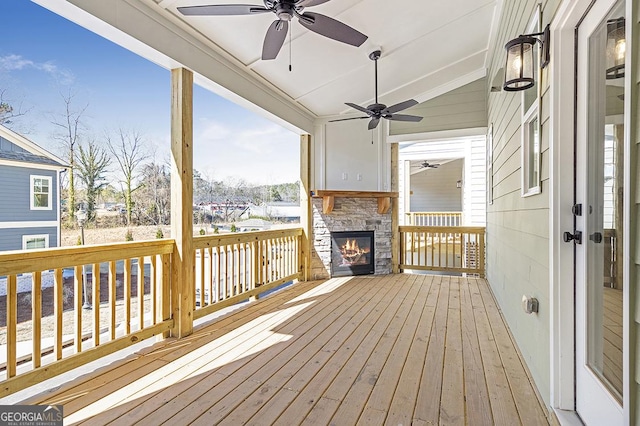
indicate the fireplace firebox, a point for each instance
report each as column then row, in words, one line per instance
column 352, row 253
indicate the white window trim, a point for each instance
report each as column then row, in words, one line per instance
column 490, row 164
column 529, row 116
column 49, row 195
column 26, row 238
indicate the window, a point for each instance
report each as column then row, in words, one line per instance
column 30, row 242
column 41, row 193
column 531, row 122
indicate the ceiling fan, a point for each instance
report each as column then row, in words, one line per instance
column 427, row 165
column 285, row 10
column 377, row 110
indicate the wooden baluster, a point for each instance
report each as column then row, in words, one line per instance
column 12, row 324
column 153, row 288
column 218, row 277
column 112, row 300
column 127, row 296
column 95, row 283
column 202, row 260
column 210, row 282
column 58, row 309
column 36, row 317
column 165, row 287
column 140, row 293
column 77, row 296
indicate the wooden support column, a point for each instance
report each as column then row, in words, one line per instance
column 182, row 264
column 305, row 206
column 395, row 229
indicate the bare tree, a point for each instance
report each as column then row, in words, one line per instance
column 129, row 150
column 92, row 163
column 69, row 127
column 8, row 113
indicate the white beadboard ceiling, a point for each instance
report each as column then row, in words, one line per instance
column 428, row 47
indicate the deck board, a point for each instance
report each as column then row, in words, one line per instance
column 396, row 349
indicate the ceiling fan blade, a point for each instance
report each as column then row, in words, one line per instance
column 374, row 123
column 274, row 39
column 331, row 28
column 346, row 119
column 404, row 117
column 359, row 108
column 222, row 10
column 399, row 107
column 309, row 3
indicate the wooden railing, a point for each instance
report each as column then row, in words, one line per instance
column 233, row 267
column 128, row 289
column 434, row 218
column 454, row 249
column 47, row 331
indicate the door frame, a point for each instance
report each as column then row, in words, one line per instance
column 562, row 93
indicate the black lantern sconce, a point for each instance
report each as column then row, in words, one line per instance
column 519, row 71
column 616, row 48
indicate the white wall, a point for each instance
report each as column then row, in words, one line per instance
column 350, row 157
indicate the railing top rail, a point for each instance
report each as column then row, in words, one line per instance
column 20, row 261
column 206, row 241
column 443, row 229
column 435, row 213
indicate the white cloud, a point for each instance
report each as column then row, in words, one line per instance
column 264, row 154
column 17, row 63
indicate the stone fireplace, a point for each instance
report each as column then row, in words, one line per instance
column 348, row 214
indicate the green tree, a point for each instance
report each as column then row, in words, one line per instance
column 153, row 198
column 92, row 163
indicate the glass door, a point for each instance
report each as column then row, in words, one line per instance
column 599, row 188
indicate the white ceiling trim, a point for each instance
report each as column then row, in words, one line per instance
column 443, row 135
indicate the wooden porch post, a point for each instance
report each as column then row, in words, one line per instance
column 395, row 209
column 305, row 205
column 182, row 269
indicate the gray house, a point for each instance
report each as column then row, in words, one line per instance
column 29, row 190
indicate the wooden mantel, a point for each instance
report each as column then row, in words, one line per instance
column 329, row 196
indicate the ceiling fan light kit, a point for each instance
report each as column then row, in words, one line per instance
column 377, row 110
column 285, row 10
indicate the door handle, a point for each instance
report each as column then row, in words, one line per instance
column 576, row 238
column 596, row 237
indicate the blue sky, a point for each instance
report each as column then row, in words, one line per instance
column 43, row 55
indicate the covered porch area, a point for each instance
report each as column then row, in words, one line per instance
column 385, row 349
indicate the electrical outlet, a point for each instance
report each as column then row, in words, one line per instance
column 345, row 176
column 359, row 176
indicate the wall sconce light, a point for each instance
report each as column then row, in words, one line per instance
column 459, row 184
column 518, row 73
column 616, row 48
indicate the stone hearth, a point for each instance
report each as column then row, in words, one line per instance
column 349, row 214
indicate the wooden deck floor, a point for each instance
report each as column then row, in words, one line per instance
column 398, row 349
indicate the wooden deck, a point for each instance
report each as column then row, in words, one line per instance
column 397, row 349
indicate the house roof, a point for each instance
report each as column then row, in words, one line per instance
column 25, row 157
column 34, row 155
column 429, row 47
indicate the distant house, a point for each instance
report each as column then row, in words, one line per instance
column 280, row 211
column 29, row 194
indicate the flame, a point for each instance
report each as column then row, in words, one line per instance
column 352, row 253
